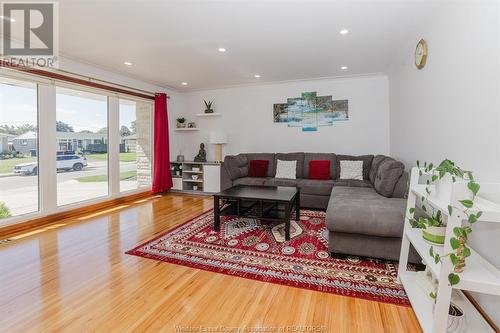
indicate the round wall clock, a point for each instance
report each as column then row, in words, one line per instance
column 421, row 54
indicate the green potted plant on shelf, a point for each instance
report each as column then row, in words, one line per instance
column 208, row 107
column 460, row 251
column 433, row 227
column 443, row 177
column 181, row 122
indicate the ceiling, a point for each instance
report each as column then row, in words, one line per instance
column 170, row 42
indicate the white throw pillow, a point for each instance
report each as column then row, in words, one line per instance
column 351, row 170
column 286, row 169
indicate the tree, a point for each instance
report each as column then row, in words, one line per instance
column 132, row 127
column 17, row 130
column 103, row 130
column 63, row 127
column 124, row 131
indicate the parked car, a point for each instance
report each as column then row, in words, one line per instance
column 63, row 162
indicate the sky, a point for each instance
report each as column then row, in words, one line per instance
column 18, row 106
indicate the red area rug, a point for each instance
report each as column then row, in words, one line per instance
column 257, row 250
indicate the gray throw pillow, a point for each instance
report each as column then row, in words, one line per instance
column 388, row 174
column 237, row 166
column 377, row 160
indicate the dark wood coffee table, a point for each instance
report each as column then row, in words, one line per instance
column 266, row 203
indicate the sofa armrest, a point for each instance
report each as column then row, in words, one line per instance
column 402, row 186
column 225, row 178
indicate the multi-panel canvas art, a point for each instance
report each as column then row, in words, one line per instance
column 311, row 111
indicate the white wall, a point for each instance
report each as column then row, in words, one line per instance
column 123, row 79
column 247, row 118
column 451, row 108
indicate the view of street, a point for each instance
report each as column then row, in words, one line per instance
column 19, row 192
column 81, row 146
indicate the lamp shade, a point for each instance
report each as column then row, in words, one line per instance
column 217, row 138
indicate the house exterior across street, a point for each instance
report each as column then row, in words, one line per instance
column 75, row 141
column 4, row 142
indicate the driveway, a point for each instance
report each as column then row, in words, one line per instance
column 20, row 193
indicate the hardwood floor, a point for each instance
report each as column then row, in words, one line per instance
column 74, row 276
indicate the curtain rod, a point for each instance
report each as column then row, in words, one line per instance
column 81, row 79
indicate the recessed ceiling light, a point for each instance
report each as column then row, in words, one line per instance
column 344, row 31
column 221, row 49
column 184, row 83
column 343, row 68
column 6, row 18
column 127, row 63
column 257, row 76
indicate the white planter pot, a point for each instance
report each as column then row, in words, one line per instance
column 434, row 235
column 456, row 320
column 443, row 188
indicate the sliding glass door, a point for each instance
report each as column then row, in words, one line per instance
column 63, row 146
column 19, row 190
column 81, row 146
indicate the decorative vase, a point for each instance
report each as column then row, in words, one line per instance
column 177, row 173
column 181, row 125
column 195, row 187
column 209, row 111
column 456, row 319
column 434, row 235
column 195, row 177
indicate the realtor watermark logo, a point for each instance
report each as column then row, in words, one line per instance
column 29, row 34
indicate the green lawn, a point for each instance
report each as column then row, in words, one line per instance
column 124, row 157
column 7, row 166
column 128, row 175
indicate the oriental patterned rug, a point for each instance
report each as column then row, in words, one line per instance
column 256, row 249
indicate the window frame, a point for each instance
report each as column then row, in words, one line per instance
column 47, row 178
column 151, row 135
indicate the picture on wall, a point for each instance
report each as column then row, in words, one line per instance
column 311, row 111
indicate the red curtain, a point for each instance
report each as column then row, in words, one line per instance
column 162, row 178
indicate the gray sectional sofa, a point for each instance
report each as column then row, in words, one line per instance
column 363, row 217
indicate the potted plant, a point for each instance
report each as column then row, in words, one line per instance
column 208, row 107
column 181, row 122
column 460, row 251
column 456, row 317
column 443, row 176
column 433, row 228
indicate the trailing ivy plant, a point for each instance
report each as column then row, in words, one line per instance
column 460, row 250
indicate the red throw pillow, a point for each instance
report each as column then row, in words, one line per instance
column 258, row 168
column 319, row 169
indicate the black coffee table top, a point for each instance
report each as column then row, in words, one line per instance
column 278, row 193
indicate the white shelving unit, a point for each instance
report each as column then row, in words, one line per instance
column 208, row 180
column 479, row 275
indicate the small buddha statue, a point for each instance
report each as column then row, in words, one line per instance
column 202, row 154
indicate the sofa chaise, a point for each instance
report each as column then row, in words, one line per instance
column 364, row 217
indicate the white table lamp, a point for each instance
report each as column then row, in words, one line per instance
column 218, row 139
